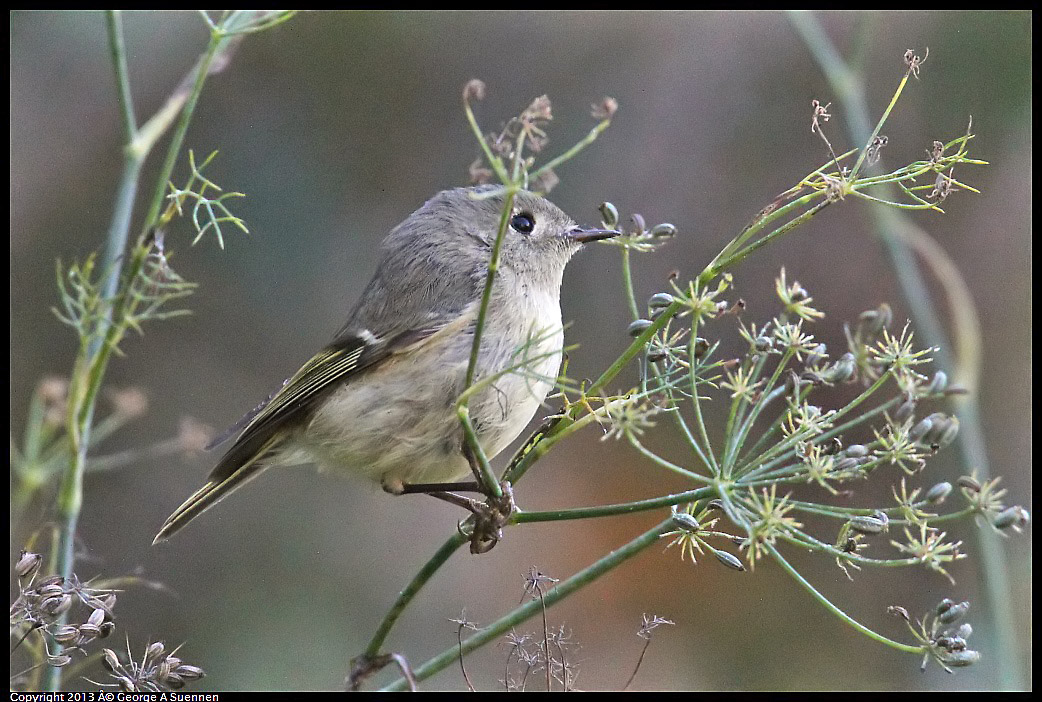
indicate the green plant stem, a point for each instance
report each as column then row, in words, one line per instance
column 843, row 616
column 94, row 355
column 572, row 152
column 627, row 283
column 696, row 400
column 668, row 465
column 494, row 161
column 182, row 102
column 411, row 590
column 490, row 482
column 850, row 89
column 767, row 394
column 737, row 258
column 533, row 607
column 680, row 498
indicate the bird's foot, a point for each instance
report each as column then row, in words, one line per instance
column 486, row 527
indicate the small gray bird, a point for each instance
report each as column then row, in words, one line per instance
column 380, row 400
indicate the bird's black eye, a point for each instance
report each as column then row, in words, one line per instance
column 523, row 223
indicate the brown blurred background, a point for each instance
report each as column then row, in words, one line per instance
column 336, row 126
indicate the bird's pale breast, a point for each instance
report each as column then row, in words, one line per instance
column 398, row 423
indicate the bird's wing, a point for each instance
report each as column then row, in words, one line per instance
column 260, row 428
column 347, row 356
column 350, row 354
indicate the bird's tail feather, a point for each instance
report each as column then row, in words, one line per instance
column 221, row 483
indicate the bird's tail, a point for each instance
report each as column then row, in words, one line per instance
column 224, row 479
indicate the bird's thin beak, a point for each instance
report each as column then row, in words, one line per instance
column 584, row 235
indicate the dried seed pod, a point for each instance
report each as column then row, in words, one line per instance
column 964, row 631
column 110, row 661
column 637, row 328
column 154, row 651
column 938, row 493
column 1015, row 517
column 97, row 617
column 59, row 660
column 474, row 90
column 939, row 383
column 856, row 451
column 685, row 521
column 948, row 612
column 700, row 347
column 48, row 591
column 943, row 430
column 67, row 635
column 905, row 410
column 28, row 564
column 899, row 612
column 920, row 430
column 951, row 643
column 969, row 483
column 832, row 446
column 729, row 559
column 842, row 370
column 663, row 231
column 609, row 215
column 870, row 525
column 660, row 300
column 817, row 354
column 845, row 464
column 56, row 605
column 175, row 681
column 657, row 355
column 89, row 631
column 190, row 672
column 960, row 659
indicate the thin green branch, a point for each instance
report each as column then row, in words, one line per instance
column 572, row 152
column 119, row 61
column 615, row 510
column 971, row 435
column 533, row 607
column 843, row 616
column 410, row 591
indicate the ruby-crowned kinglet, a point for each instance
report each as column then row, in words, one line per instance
column 380, row 400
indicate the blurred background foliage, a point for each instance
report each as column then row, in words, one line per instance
column 336, row 126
